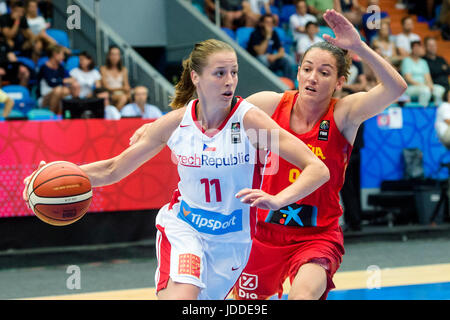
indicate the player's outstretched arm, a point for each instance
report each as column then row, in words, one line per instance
column 361, row 106
column 314, row 171
column 109, row 171
column 106, row 172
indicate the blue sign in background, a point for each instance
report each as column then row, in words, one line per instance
column 381, row 157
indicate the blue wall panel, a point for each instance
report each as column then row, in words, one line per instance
column 381, row 157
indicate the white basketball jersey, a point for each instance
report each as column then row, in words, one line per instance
column 212, row 169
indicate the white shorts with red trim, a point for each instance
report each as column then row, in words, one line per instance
column 186, row 257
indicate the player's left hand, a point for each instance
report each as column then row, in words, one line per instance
column 258, row 198
column 346, row 35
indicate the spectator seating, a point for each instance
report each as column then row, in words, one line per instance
column 325, row 30
column 286, row 11
column 72, row 63
column 21, row 96
column 243, row 36
column 41, row 62
column 60, row 37
column 199, row 5
column 285, row 39
column 273, row 10
column 14, row 114
column 27, row 62
column 41, row 114
column 32, row 68
column 229, row 32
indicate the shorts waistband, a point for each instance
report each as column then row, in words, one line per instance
column 300, row 231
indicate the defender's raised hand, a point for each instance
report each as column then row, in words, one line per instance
column 346, row 35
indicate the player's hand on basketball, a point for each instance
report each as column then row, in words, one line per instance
column 139, row 133
column 26, row 181
column 346, row 35
column 258, row 198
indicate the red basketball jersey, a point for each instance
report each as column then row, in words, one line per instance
column 321, row 208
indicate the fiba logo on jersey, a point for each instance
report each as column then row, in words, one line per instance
column 323, row 130
column 325, row 125
column 248, row 282
column 235, row 132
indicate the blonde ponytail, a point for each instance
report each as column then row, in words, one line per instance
column 184, row 89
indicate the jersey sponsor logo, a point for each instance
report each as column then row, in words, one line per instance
column 294, row 215
column 211, row 222
column 247, row 282
column 204, row 160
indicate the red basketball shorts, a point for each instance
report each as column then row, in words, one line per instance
column 277, row 254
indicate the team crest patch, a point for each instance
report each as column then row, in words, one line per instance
column 235, row 132
column 323, row 130
column 189, row 264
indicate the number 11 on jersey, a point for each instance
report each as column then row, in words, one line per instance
column 208, row 184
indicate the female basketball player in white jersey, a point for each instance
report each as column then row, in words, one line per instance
column 204, row 234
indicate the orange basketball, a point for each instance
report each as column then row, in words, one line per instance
column 59, row 193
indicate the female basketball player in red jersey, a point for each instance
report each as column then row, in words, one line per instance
column 303, row 241
column 204, row 234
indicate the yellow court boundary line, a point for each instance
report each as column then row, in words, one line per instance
column 390, row 277
column 347, row 280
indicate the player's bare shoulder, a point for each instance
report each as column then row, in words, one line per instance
column 265, row 100
column 164, row 126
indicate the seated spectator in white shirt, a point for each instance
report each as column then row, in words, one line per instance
column 86, row 75
column 111, row 112
column 310, row 38
column 298, row 21
column 139, row 107
column 38, row 27
column 403, row 40
column 35, row 21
